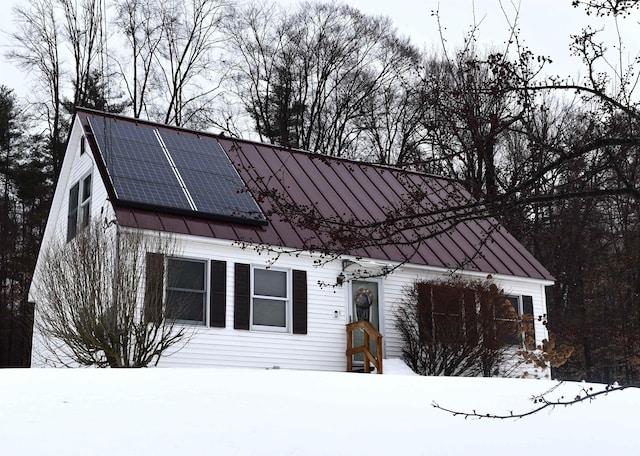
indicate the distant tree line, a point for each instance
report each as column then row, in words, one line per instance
column 554, row 160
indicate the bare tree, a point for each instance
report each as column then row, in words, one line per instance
column 60, row 43
column 38, row 51
column 306, row 76
column 88, row 310
column 138, row 21
column 392, row 121
column 471, row 110
column 188, row 74
column 84, row 33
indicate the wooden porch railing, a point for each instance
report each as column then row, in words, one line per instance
column 370, row 333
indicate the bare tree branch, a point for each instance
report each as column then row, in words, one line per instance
column 586, row 394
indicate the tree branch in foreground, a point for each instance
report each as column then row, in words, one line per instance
column 541, row 402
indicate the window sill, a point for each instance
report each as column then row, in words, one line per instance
column 270, row 329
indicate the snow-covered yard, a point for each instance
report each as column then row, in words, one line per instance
column 277, row 412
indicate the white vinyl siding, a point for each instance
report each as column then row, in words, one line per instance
column 75, row 167
column 323, row 347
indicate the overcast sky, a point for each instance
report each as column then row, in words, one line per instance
column 545, row 25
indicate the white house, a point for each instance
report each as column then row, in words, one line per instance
column 269, row 292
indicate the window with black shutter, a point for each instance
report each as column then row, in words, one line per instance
column 270, row 299
column 455, row 315
column 176, row 288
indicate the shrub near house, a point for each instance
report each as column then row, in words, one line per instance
column 462, row 327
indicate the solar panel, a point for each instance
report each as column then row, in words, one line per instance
column 210, row 177
column 171, row 169
column 139, row 171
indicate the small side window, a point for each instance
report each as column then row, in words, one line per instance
column 85, row 205
column 83, row 145
column 79, row 207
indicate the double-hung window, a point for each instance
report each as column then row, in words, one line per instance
column 270, row 300
column 186, row 290
column 79, row 206
column 525, row 336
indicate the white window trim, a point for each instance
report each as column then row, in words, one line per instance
column 519, row 310
column 207, row 289
column 288, row 302
column 83, row 202
column 519, row 313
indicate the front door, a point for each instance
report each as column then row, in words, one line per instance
column 365, row 305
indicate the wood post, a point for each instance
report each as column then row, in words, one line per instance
column 369, row 333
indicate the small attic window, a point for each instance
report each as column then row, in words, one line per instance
column 83, row 146
column 79, row 206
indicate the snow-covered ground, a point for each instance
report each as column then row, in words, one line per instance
column 277, row 412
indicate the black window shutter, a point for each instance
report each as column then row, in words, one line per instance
column 154, row 286
column 242, row 296
column 527, row 309
column 299, row 302
column 218, row 294
column 425, row 310
column 72, row 216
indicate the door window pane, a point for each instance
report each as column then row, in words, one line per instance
column 364, row 298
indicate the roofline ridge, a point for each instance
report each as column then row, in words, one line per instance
column 260, row 143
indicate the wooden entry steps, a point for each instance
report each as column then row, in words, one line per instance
column 370, row 334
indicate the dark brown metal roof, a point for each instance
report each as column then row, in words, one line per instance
column 342, row 191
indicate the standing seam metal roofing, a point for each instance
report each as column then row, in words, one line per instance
column 342, row 191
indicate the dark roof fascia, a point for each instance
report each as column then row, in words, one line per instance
column 191, row 214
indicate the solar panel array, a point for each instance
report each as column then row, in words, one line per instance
column 171, row 169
